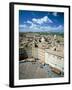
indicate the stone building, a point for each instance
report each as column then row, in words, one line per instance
column 54, row 57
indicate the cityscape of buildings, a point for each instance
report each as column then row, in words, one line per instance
column 44, row 49
column 41, row 44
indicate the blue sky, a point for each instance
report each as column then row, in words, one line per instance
column 41, row 21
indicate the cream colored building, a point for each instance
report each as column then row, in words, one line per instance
column 54, row 59
column 48, row 56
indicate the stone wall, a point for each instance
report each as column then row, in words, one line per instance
column 41, row 55
column 35, row 52
column 54, row 61
column 51, row 58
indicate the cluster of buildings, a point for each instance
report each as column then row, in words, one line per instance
column 48, row 49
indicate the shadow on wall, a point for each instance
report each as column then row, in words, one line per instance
column 22, row 54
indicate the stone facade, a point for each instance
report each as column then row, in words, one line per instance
column 54, row 60
column 41, row 55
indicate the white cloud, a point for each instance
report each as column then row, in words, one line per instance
column 36, row 25
column 60, row 27
column 32, row 26
column 48, row 19
column 38, row 21
column 39, row 28
column 50, row 28
column 34, row 20
column 29, row 22
column 45, row 19
column 22, row 26
column 55, row 13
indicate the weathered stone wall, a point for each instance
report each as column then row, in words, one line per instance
column 34, row 52
column 41, row 55
column 48, row 58
column 54, row 61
